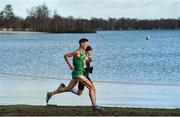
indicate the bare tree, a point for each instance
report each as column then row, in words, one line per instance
column 8, row 16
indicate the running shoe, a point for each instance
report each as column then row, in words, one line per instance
column 48, row 97
column 97, row 108
column 61, row 85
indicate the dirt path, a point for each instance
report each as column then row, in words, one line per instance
column 54, row 110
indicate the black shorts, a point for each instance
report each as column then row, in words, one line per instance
column 81, row 85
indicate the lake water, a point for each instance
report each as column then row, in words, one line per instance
column 119, row 56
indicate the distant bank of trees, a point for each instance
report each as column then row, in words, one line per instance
column 39, row 19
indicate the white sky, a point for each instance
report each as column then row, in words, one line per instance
column 143, row 9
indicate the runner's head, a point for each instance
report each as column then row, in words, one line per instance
column 83, row 43
column 89, row 50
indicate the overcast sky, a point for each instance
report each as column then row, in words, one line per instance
column 142, row 9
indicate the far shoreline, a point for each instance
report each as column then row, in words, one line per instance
column 21, row 32
column 34, row 32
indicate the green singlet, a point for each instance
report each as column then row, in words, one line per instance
column 78, row 63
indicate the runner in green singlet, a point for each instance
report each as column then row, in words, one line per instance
column 77, row 74
column 88, row 69
column 78, row 63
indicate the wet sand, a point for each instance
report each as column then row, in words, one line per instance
column 15, row 91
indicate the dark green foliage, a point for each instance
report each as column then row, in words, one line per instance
column 39, row 19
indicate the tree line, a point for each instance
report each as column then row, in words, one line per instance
column 40, row 19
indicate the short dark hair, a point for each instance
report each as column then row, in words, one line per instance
column 82, row 40
column 88, row 48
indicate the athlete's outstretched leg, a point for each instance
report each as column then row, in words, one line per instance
column 92, row 92
column 71, row 85
column 91, row 88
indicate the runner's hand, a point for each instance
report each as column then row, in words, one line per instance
column 71, row 67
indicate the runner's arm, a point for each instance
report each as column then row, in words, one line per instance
column 67, row 56
column 88, row 59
